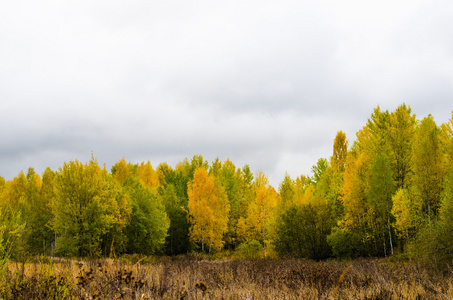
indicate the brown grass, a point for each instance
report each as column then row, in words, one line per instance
column 191, row 278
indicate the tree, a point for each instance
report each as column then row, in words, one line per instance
column 427, row 164
column 379, row 197
column 85, row 208
column 287, row 191
column 407, row 212
column 340, row 150
column 177, row 240
column 47, row 196
column 302, row 230
column 38, row 213
column 400, row 138
column 208, row 209
column 121, row 171
column 147, row 228
column 260, row 215
column 147, row 175
column 319, row 169
column 351, row 237
column 233, row 183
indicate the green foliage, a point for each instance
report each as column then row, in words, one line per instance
column 11, row 230
column 177, row 240
column 319, row 169
column 85, row 208
column 393, row 188
column 346, row 244
column 302, row 230
column 249, row 250
column 148, row 224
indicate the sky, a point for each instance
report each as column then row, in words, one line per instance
column 264, row 83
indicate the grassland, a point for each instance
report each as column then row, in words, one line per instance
column 191, row 277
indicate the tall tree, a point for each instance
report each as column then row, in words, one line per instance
column 177, row 240
column 47, row 196
column 208, row 209
column 400, row 138
column 427, row 164
column 85, row 208
column 148, row 225
column 340, row 150
column 260, row 216
column 148, row 176
column 379, row 198
column 287, row 191
column 232, row 182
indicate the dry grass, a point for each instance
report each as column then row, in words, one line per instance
column 189, row 278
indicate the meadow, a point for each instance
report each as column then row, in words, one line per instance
column 195, row 277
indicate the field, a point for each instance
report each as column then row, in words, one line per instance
column 190, row 277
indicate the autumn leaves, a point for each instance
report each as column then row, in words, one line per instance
column 390, row 189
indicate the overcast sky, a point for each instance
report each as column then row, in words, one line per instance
column 264, row 83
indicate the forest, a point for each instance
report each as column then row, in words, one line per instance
column 388, row 193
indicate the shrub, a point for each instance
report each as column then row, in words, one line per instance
column 250, row 249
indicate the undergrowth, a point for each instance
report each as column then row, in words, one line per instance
column 193, row 277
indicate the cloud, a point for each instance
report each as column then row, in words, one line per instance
column 265, row 83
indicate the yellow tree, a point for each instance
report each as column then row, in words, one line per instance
column 260, row 215
column 406, row 210
column 340, row 150
column 208, row 210
column 147, row 175
column 121, row 171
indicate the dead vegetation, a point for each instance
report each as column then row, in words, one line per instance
column 191, row 278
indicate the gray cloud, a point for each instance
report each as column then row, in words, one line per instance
column 268, row 83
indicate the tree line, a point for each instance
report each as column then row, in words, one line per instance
column 390, row 192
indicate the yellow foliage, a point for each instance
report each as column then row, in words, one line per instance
column 148, row 176
column 208, row 209
column 122, row 171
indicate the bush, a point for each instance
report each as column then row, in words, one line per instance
column 345, row 244
column 250, row 249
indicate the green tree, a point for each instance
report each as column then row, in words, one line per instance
column 287, row 191
column 302, row 231
column 427, row 164
column 319, row 169
column 400, row 138
column 233, row 183
column 148, row 223
column 85, row 208
column 379, row 198
column 177, row 240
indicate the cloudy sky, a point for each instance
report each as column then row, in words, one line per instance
column 264, row 83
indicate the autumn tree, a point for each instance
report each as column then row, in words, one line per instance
column 407, row 212
column 379, row 197
column 287, row 191
column 47, row 196
column 302, row 230
column 232, row 182
column 177, row 239
column 85, row 208
column 340, row 150
column 400, row 137
column 427, row 164
column 121, row 171
column 260, row 215
column 208, row 209
column 148, row 222
column 147, row 175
